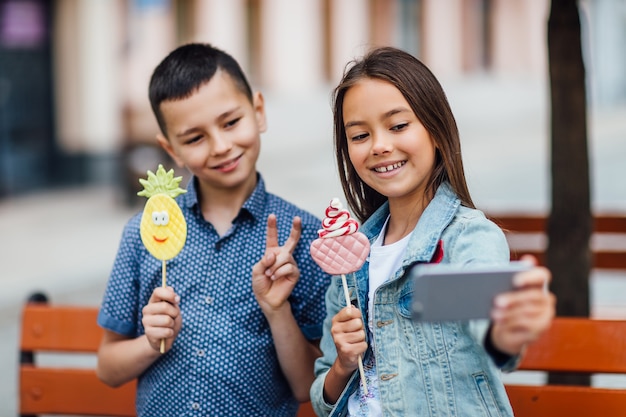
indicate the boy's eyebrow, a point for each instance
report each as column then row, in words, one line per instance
column 220, row 118
column 228, row 113
column 187, row 132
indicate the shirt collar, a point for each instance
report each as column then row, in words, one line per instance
column 254, row 205
column 257, row 202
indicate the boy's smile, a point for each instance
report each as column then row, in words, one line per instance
column 215, row 133
column 228, row 165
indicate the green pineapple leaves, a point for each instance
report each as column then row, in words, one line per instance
column 161, row 183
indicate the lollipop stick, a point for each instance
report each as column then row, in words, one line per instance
column 347, row 295
column 163, row 284
column 345, row 289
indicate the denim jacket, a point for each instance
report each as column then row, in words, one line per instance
column 424, row 369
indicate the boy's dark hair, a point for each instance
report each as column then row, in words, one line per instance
column 186, row 69
column 422, row 91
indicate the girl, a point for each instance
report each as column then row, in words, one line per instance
column 399, row 160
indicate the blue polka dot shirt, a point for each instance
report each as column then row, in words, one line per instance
column 223, row 361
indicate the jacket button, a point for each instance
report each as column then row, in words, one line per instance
column 382, row 323
column 387, row 377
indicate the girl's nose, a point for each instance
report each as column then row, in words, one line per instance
column 381, row 144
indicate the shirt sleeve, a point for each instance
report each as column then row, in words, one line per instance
column 504, row 361
column 482, row 242
column 308, row 296
column 119, row 309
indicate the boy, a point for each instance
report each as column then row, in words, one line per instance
column 226, row 352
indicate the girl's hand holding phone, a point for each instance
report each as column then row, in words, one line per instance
column 521, row 316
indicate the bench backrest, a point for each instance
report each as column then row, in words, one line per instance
column 65, row 390
column 571, row 345
column 70, row 390
column 574, row 345
column 605, row 225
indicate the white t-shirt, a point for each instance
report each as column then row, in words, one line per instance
column 384, row 260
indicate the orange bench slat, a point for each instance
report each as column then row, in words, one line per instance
column 60, row 328
column 579, row 345
column 72, row 391
column 602, row 223
column 559, row 400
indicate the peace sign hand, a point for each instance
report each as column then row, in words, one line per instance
column 276, row 274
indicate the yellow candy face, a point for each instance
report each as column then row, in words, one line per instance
column 163, row 227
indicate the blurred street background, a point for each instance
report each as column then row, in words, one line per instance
column 76, row 130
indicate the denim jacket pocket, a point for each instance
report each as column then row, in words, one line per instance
column 486, row 395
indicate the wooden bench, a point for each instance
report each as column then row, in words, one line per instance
column 527, row 234
column 69, row 389
column 574, row 345
column 571, row 345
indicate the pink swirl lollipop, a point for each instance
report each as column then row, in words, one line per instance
column 340, row 249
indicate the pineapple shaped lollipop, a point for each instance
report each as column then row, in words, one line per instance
column 163, row 227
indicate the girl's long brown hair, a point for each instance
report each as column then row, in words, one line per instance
column 428, row 101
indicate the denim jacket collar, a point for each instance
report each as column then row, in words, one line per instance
column 423, row 242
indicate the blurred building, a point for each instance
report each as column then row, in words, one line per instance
column 74, row 73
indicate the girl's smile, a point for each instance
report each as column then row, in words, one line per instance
column 389, row 167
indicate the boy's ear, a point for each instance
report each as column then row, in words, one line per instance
column 258, row 102
column 167, row 146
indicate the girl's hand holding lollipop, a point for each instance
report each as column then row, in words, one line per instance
column 341, row 250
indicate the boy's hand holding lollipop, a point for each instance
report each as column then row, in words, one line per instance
column 163, row 227
column 340, row 249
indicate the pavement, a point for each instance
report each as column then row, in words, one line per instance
column 63, row 242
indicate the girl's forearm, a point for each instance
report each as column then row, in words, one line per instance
column 335, row 382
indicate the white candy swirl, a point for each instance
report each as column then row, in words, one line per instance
column 337, row 222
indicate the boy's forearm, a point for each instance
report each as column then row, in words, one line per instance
column 122, row 360
column 296, row 354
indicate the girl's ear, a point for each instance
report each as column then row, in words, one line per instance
column 258, row 103
column 167, row 146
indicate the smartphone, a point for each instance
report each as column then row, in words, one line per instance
column 444, row 292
